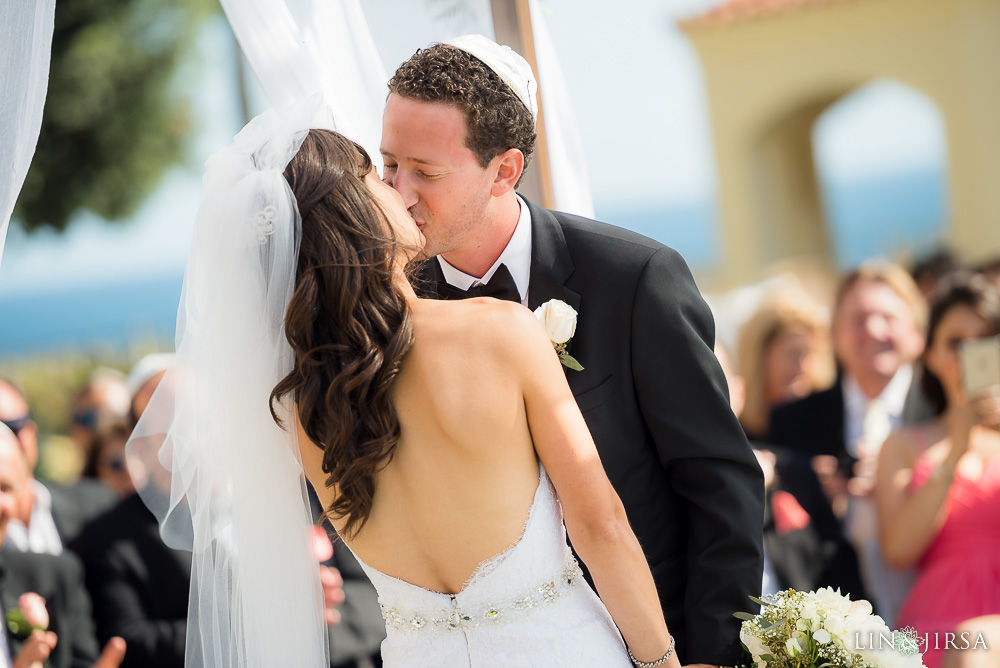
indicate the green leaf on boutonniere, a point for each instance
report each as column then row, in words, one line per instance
column 570, row 362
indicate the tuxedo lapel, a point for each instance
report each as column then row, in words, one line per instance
column 551, row 264
column 426, row 278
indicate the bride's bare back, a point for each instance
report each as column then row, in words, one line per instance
column 464, row 473
column 463, row 478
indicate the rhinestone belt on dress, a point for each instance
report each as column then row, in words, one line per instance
column 400, row 618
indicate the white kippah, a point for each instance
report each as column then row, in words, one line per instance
column 507, row 63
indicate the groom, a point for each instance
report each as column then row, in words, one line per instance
column 457, row 134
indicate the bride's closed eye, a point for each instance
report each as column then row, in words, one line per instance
column 386, row 177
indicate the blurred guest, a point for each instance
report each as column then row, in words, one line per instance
column 69, row 640
column 735, row 382
column 991, row 270
column 103, row 399
column 792, row 548
column 49, row 515
column 930, row 270
column 938, row 485
column 836, row 434
column 783, row 355
column 356, row 638
column 138, row 585
column 106, row 459
column 143, row 379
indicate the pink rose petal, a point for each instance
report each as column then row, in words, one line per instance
column 33, row 607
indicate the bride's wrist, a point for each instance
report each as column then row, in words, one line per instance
column 658, row 662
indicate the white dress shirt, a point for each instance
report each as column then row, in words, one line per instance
column 516, row 256
column 41, row 536
column 872, row 420
column 857, row 406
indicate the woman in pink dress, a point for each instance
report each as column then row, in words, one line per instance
column 938, row 492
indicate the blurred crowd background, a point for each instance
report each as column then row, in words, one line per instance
column 819, row 178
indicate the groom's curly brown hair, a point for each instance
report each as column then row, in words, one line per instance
column 497, row 119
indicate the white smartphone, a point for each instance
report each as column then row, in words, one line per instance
column 980, row 364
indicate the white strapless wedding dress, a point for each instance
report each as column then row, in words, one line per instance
column 529, row 606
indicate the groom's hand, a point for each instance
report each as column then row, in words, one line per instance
column 333, row 593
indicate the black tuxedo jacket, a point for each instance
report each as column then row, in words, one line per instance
column 656, row 402
column 59, row 580
column 138, row 585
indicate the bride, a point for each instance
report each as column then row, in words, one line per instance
column 441, row 436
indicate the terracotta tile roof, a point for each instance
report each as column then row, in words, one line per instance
column 741, row 10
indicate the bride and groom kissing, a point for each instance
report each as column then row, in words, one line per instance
column 431, row 428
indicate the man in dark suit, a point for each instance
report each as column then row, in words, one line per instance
column 139, row 588
column 57, row 579
column 457, row 135
column 138, row 585
column 833, row 436
column 51, row 515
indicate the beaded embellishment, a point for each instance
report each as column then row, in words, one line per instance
column 404, row 619
column 264, row 223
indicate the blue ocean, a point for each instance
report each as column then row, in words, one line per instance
column 876, row 218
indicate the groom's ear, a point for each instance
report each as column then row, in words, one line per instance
column 508, row 165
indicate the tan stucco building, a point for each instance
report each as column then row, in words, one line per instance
column 773, row 66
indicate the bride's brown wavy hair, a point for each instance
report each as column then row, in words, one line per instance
column 347, row 322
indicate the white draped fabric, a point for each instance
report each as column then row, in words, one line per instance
column 300, row 47
column 570, row 183
column 25, row 50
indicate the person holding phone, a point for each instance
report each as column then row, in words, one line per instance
column 938, row 482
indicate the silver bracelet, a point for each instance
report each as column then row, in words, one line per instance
column 651, row 664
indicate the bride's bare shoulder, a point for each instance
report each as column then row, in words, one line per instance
column 489, row 322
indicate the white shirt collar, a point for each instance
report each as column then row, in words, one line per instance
column 893, row 397
column 516, row 256
column 42, row 536
column 856, row 403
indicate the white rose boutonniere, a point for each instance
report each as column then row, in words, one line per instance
column 559, row 320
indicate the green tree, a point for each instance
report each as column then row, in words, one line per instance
column 114, row 118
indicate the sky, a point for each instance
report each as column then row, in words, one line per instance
column 638, row 96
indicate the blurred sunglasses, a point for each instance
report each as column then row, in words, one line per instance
column 86, row 418
column 17, row 425
column 116, row 464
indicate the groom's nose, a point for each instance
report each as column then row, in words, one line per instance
column 404, row 185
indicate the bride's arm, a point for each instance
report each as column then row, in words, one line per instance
column 595, row 517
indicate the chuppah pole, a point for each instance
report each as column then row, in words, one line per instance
column 512, row 26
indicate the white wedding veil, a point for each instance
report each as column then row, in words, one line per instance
column 223, row 479
column 26, row 28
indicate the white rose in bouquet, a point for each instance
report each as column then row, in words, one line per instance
column 822, row 628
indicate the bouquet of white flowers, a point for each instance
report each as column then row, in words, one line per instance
column 824, row 629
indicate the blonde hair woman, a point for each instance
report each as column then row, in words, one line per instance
column 783, row 355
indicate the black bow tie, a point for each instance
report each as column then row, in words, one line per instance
column 500, row 286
